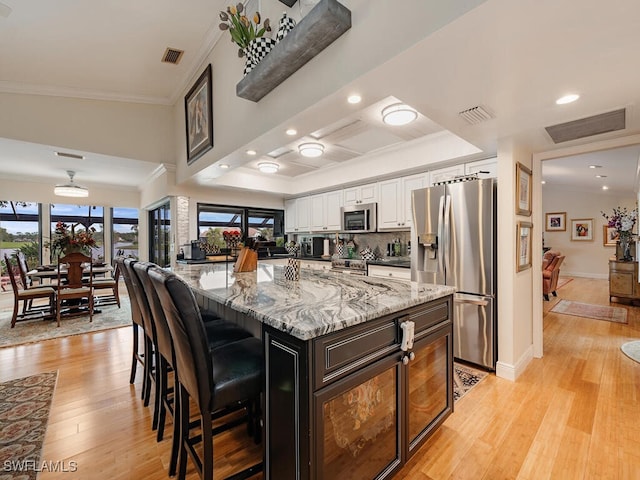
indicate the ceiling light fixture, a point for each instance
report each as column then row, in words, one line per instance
column 353, row 99
column 224, row 166
column 595, row 166
column 311, row 149
column 398, row 114
column 601, row 176
column 604, row 187
column 543, row 182
column 291, row 132
column 71, row 189
column 268, row 167
column 567, row 99
column 251, row 152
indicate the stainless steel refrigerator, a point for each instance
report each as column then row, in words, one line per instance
column 453, row 239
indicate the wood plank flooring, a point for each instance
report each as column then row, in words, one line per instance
column 573, row 414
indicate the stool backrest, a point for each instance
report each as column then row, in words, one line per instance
column 195, row 369
column 141, row 299
column 136, row 314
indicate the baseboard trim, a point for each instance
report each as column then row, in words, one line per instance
column 602, row 276
column 512, row 372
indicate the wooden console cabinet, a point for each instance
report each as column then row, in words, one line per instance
column 623, row 280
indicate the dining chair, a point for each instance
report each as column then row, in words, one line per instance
column 27, row 296
column 74, row 290
column 110, row 283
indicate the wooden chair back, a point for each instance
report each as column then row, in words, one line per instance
column 75, row 270
column 12, row 274
column 23, row 269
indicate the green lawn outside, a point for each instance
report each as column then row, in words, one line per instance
column 11, row 244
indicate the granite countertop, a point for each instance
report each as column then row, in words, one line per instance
column 317, row 304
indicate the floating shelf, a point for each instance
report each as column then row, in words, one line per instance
column 315, row 32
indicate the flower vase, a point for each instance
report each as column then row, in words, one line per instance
column 624, row 252
column 257, row 49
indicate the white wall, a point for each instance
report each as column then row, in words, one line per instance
column 583, row 258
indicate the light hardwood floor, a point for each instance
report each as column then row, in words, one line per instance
column 574, row 414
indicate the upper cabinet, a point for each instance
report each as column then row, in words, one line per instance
column 484, row 168
column 296, row 215
column 394, row 207
column 447, row 173
column 361, row 194
column 325, row 211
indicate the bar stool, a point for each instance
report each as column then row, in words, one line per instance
column 216, row 379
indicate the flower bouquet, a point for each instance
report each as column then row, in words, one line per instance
column 66, row 240
column 623, row 221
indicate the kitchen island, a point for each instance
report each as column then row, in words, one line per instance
column 345, row 397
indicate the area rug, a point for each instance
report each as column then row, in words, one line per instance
column 464, row 379
column 632, row 350
column 599, row 312
column 24, row 414
column 562, row 282
column 30, row 331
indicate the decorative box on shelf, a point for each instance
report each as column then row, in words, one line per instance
column 316, row 31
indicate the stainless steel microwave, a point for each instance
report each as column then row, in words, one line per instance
column 359, row 218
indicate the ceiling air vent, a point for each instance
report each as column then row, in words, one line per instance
column 172, row 55
column 585, row 127
column 69, row 155
column 476, row 115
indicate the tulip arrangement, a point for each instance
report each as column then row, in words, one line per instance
column 242, row 29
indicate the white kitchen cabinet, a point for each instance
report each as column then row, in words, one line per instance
column 325, row 211
column 394, row 207
column 296, row 215
column 360, row 194
column 487, row 168
column 447, row 173
column 382, row 271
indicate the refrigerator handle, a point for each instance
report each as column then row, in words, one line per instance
column 447, row 235
column 482, row 303
column 440, row 234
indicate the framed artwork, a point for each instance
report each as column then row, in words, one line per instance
column 610, row 236
column 523, row 190
column 582, row 229
column 523, row 246
column 556, row 222
column 198, row 109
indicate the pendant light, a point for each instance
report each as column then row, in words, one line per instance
column 71, row 189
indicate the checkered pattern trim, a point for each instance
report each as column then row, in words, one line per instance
column 285, row 26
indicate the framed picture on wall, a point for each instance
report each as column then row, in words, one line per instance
column 198, row 110
column 556, row 222
column 582, row 229
column 523, row 190
column 610, row 236
column 523, row 246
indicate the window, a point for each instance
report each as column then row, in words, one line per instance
column 20, row 230
column 160, row 235
column 124, row 232
column 82, row 217
column 252, row 222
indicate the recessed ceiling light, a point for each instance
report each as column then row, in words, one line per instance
column 604, row 187
column 595, row 166
column 355, row 98
column 223, row 166
column 398, row 114
column 291, row 131
column 601, row 176
column 567, row 99
column 268, row 167
column 311, row 149
column 543, row 182
column 251, row 152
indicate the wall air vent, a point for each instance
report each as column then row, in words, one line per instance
column 70, row 155
column 476, row 115
column 172, row 55
column 586, row 127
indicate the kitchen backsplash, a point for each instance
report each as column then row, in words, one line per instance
column 378, row 242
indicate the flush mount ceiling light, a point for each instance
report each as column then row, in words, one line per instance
column 398, row 114
column 71, row 189
column 567, row 99
column 268, row 167
column 311, row 149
